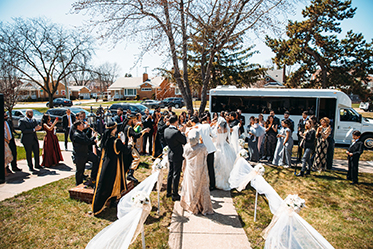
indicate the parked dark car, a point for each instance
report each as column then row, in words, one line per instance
column 135, row 108
column 152, row 104
column 61, row 102
column 18, row 114
column 60, row 112
column 174, row 102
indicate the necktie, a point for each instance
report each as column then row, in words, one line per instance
column 121, row 118
column 7, row 131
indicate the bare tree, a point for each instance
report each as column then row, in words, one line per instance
column 106, row 74
column 9, row 85
column 43, row 52
column 210, row 23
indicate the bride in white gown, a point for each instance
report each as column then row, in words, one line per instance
column 224, row 155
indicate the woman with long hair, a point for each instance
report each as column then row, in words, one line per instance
column 111, row 179
column 308, row 144
column 322, row 134
column 51, row 149
column 270, row 138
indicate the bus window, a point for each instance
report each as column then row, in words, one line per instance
column 348, row 115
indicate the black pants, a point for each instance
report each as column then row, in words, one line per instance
column 300, row 149
column 13, row 148
column 147, row 138
column 67, row 134
column 330, row 153
column 210, row 167
column 353, row 169
column 173, row 178
column 32, row 148
column 80, row 167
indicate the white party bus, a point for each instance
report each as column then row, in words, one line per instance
column 333, row 104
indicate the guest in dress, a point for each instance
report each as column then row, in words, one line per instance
column 182, row 123
column 308, row 144
column 270, row 138
column 322, row 133
column 288, row 142
column 110, row 179
column 252, row 140
column 195, row 193
column 279, row 151
column 51, row 148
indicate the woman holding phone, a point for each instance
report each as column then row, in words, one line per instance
column 51, row 149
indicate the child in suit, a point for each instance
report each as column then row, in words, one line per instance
column 354, row 152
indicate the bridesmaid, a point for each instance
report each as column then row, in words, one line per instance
column 51, row 148
column 322, row 134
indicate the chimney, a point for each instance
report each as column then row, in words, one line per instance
column 284, row 75
column 144, row 77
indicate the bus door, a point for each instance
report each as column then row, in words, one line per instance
column 327, row 108
column 349, row 120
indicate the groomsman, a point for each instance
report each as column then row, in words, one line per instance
column 120, row 119
column 29, row 126
column 8, row 134
column 354, row 152
column 148, row 122
column 301, row 128
column 68, row 121
column 206, row 134
column 175, row 141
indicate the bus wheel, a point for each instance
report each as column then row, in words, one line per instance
column 368, row 141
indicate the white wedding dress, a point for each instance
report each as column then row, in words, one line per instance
column 225, row 157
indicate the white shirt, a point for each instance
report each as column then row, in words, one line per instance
column 69, row 120
column 206, row 134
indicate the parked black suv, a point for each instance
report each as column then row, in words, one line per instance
column 135, row 108
column 59, row 112
column 61, row 102
column 174, row 102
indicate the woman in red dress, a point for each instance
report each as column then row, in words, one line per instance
column 51, row 149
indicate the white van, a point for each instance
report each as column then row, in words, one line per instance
column 333, row 104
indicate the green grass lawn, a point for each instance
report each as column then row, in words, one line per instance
column 21, row 153
column 46, row 217
column 340, row 212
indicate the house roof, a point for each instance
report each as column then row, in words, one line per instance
column 276, row 75
column 134, row 82
column 77, row 88
column 29, row 86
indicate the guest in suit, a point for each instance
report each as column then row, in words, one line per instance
column 8, row 133
column 233, row 121
column 147, row 122
column 354, row 152
column 29, row 127
column 68, row 121
column 241, row 119
column 301, row 129
column 308, row 137
column 175, row 141
column 276, row 120
column 120, row 119
column 82, row 154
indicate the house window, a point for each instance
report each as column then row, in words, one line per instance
column 56, row 92
column 131, row 92
column 177, row 91
column 146, row 89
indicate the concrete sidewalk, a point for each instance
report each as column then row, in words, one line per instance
column 220, row 230
column 27, row 180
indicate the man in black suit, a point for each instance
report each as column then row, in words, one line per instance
column 8, row 133
column 233, row 121
column 68, row 121
column 29, row 126
column 301, row 128
column 82, row 154
column 148, row 122
column 175, row 141
column 120, row 119
column 241, row 119
column 276, row 120
column 354, row 152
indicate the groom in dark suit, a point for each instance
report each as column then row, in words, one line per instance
column 29, row 126
column 354, row 152
column 175, row 141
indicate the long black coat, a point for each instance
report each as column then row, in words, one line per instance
column 111, row 180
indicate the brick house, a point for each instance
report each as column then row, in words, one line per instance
column 80, row 92
column 34, row 91
column 130, row 87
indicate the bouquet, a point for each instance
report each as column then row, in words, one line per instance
column 243, row 153
column 241, row 142
column 157, row 164
column 295, row 202
column 140, row 198
column 259, row 168
column 165, row 150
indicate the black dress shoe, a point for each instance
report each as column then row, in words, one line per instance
column 16, row 169
column 168, row 195
column 176, row 198
column 32, row 169
column 212, row 188
column 39, row 167
column 8, row 171
column 300, row 173
column 308, row 172
column 354, row 183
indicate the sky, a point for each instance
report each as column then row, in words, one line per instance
column 125, row 54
